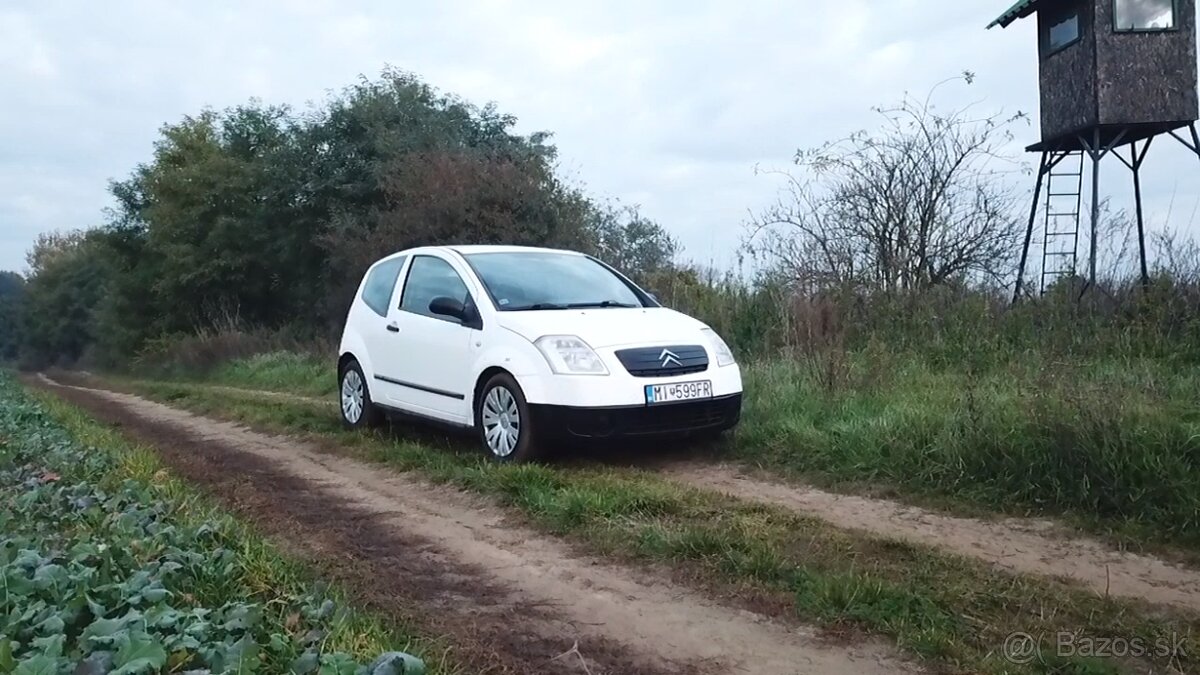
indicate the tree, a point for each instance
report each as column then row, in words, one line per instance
column 917, row 203
column 214, row 216
column 12, row 299
column 66, row 282
column 262, row 218
column 448, row 197
column 631, row 242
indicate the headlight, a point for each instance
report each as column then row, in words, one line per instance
column 724, row 355
column 568, row 355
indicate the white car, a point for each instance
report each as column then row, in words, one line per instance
column 530, row 347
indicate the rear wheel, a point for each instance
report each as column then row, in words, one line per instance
column 502, row 417
column 358, row 411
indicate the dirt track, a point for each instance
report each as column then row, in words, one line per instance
column 512, row 599
column 1027, row 546
column 1021, row 545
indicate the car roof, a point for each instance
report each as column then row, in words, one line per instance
column 472, row 248
column 477, row 248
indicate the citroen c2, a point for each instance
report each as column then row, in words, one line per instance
column 531, row 348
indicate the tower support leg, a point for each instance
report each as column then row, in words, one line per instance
column 1037, row 192
column 1137, row 199
column 1095, row 229
column 1092, row 146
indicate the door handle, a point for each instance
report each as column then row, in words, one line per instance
column 393, row 328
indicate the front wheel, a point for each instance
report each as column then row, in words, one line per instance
column 502, row 417
column 358, row 411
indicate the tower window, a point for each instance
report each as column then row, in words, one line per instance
column 1143, row 15
column 1063, row 31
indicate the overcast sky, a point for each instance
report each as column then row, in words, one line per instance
column 668, row 105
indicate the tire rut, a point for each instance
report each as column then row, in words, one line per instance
column 494, row 574
column 1029, row 546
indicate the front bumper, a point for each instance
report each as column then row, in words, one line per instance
column 671, row 419
column 618, row 388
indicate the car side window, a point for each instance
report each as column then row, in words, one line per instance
column 430, row 278
column 377, row 292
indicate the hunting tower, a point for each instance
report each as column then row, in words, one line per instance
column 1114, row 73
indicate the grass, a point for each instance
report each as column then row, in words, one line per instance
column 1111, row 444
column 952, row 612
column 255, row 573
column 278, row 371
column 1087, row 408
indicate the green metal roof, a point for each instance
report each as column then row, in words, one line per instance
column 1022, row 9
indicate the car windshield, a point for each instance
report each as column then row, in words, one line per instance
column 543, row 280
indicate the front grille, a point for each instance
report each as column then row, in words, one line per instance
column 664, row 361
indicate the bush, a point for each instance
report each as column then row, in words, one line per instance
column 203, row 352
column 948, row 326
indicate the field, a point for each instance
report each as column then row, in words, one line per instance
column 917, row 568
column 111, row 564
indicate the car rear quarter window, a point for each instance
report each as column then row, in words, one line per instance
column 381, row 281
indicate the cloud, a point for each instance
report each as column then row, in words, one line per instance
column 670, row 105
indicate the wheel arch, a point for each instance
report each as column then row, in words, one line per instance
column 344, row 361
column 487, row 374
column 372, row 415
column 513, row 356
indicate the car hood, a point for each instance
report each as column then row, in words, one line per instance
column 611, row 327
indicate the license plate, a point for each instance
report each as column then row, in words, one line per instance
column 680, row 391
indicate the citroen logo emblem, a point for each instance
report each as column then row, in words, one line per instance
column 668, row 357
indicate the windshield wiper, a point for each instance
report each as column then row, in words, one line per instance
column 601, row 304
column 539, row 306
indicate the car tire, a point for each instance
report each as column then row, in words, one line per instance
column 354, row 398
column 505, row 426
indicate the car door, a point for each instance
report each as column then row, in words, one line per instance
column 429, row 362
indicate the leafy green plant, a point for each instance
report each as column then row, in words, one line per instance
column 100, row 573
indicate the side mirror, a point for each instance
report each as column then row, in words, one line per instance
column 443, row 306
